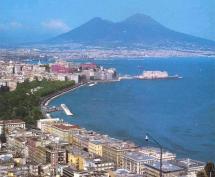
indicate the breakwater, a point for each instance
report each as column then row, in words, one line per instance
column 46, row 100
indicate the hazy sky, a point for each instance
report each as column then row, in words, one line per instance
column 39, row 19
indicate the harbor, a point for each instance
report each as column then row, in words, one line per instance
column 45, row 102
column 140, row 101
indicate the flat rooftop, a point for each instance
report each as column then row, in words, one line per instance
column 166, row 167
column 188, row 163
column 65, row 126
column 138, row 156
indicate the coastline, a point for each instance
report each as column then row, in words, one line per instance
column 46, row 100
column 62, row 92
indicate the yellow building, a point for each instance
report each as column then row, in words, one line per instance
column 95, row 147
column 74, row 140
column 62, row 131
column 77, row 157
column 75, row 160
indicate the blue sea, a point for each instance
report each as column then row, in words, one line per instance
column 179, row 113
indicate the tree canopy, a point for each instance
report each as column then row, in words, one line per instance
column 25, row 104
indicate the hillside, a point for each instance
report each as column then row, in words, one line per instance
column 137, row 30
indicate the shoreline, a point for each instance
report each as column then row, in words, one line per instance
column 46, row 100
column 49, row 98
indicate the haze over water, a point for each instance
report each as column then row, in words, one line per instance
column 180, row 114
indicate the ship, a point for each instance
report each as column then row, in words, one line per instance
column 66, row 110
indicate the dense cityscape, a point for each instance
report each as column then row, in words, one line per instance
column 92, row 88
column 55, row 148
column 68, row 52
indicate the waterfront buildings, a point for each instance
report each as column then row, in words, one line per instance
column 192, row 167
column 12, row 73
column 62, row 130
column 114, row 151
column 61, row 149
column 135, row 161
column 95, row 147
column 41, row 124
column 168, row 169
column 155, row 153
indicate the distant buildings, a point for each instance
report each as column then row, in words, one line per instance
column 12, row 73
column 63, row 67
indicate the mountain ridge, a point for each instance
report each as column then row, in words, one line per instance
column 138, row 29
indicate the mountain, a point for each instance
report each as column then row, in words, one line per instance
column 137, row 30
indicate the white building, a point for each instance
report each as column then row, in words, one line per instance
column 74, row 77
column 135, row 161
column 42, row 122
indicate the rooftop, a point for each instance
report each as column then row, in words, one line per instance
column 138, row 156
column 15, row 121
column 125, row 173
column 166, row 167
column 121, row 145
column 188, row 163
column 65, row 126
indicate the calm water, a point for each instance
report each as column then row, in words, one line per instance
column 180, row 114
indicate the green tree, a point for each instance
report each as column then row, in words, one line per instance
column 22, row 104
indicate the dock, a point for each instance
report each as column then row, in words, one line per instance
column 66, row 110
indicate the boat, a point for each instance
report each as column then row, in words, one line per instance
column 66, row 110
column 92, row 84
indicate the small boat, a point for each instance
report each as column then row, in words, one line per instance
column 92, row 84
